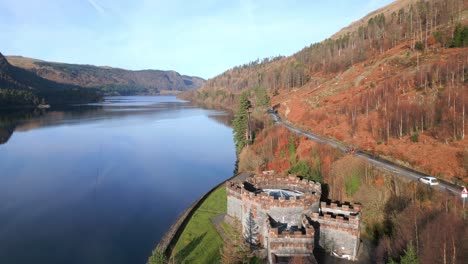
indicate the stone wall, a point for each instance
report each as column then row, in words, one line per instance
column 339, row 228
column 234, row 201
column 339, row 241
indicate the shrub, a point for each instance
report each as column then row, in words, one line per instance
column 415, row 137
column 419, row 46
column 157, row 257
column 438, row 36
column 305, row 170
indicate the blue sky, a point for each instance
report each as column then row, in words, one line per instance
column 201, row 38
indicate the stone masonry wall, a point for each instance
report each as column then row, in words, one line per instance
column 298, row 243
column 339, row 227
column 339, row 241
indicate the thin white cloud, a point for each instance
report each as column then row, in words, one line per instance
column 96, row 6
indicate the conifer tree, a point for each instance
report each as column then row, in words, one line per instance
column 241, row 123
column 251, row 230
column 460, row 36
column 410, row 257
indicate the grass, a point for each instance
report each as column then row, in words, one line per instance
column 200, row 242
column 352, row 184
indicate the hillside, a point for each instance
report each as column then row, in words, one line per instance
column 393, row 83
column 19, row 87
column 109, row 80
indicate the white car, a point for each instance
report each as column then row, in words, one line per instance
column 429, row 180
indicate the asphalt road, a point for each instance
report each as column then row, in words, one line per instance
column 378, row 162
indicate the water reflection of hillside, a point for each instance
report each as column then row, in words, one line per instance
column 5, row 134
column 9, row 120
column 222, row 118
column 29, row 119
column 221, row 115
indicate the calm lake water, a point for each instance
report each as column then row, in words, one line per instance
column 102, row 183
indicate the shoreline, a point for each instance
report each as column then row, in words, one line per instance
column 167, row 243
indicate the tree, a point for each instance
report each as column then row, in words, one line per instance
column 263, row 100
column 235, row 249
column 241, row 126
column 460, row 36
column 410, row 256
column 251, row 230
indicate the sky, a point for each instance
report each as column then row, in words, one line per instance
column 200, row 38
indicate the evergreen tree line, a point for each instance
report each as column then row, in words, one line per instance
column 14, row 98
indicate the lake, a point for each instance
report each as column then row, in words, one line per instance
column 102, row 183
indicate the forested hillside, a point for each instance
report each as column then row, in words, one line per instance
column 110, row 80
column 19, row 88
column 393, row 83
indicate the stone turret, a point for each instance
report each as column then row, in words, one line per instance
column 288, row 214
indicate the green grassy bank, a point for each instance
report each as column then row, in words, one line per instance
column 199, row 242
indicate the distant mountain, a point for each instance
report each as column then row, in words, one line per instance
column 110, row 80
column 19, row 87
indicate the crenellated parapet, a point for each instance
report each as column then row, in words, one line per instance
column 233, row 189
column 349, row 223
column 311, row 191
column 340, row 208
column 290, row 182
column 266, row 201
column 302, row 232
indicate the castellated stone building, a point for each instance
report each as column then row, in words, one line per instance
column 284, row 215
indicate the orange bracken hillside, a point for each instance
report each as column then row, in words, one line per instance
column 347, row 108
column 394, row 83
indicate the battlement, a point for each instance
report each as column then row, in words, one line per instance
column 276, row 233
column 305, row 231
column 341, row 222
column 259, row 182
column 233, row 190
column 292, row 182
column 233, row 186
column 267, row 201
column 339, row 208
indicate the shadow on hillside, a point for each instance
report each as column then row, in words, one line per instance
column 185, row 252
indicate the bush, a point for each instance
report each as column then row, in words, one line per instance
column 419, row 46
column 438, row 36
column 157, row 257
column 301, row 169
column 415, row 137
column 305, row 170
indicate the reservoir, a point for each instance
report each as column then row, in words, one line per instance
column 102, row 183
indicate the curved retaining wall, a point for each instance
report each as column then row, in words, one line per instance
column 169, row 240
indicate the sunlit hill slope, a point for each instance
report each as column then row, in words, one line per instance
column 393, row 83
